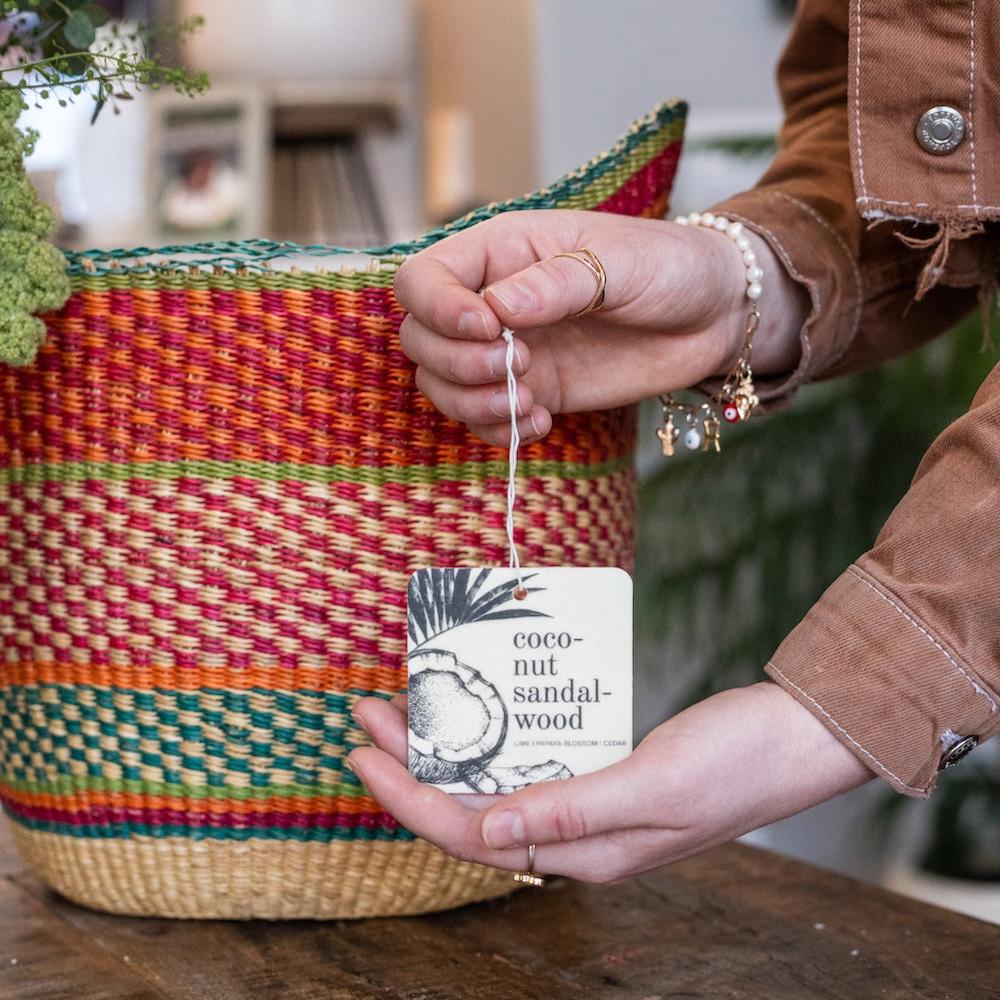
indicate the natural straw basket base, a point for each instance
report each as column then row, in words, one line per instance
column 257, row 879
column 214, row 482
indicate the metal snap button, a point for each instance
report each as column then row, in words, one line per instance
column 961, row 749
column 940, row 130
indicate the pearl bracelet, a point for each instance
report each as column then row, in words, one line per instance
column 737, row 399
column 734, row 230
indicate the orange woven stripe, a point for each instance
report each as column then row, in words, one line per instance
column 381, row 680
column 308, row 805
column 301, row 377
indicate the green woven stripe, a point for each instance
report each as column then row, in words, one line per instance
column 74, row 784
column 118, row 831
column 370, row 475
column 188, row 279
column 42, row 740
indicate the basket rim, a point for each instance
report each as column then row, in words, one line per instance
column 234, row 255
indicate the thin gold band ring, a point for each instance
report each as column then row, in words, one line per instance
column 592, row 263
column 529, row 877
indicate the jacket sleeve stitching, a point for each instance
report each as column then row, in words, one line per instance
column 855, row 270
column 919, row 204
column 919, row 626
column 972, row 81
column 857, row 99
column 876, row 763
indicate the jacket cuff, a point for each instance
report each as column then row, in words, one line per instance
column 816, row 256
column 884, row 684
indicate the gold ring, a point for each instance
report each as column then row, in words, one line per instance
column 529, row 877
column 591, row 262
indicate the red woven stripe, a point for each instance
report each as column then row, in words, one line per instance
column 645, row 187
column 198, row 819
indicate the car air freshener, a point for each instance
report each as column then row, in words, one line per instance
column 517, row 675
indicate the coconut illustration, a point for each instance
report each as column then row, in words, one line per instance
column 504, row 780
column 457, row 718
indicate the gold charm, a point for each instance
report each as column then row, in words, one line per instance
column 668, row 434
column 735, row 401
column 712, row 428
column 745, row 399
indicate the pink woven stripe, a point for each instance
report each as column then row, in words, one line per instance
column 249, row 573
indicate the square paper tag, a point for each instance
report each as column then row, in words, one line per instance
column 505, row 692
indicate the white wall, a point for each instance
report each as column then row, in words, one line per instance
column 600, row 65
column 481, row 92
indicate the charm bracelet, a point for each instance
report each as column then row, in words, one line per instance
column 736, row 399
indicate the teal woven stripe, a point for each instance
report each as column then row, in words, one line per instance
column 158, row 736
column 369, row 475
column 122, row 831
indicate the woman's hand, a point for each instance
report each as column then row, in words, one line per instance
column 674, row 313
column 730, row 764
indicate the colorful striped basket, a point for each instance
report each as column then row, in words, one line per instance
column 214, row 483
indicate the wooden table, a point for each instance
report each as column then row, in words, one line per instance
column 734, row 923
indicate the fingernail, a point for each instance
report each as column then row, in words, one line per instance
column 512, row 296
column 534, row 426
column 473, row 324
column 498, row 361
column 500, row 405
column 349, row 764
column 360, row 720
column 504, row 829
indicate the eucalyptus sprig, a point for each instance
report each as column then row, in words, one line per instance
column 54, row 48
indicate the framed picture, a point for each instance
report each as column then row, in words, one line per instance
column 208, row 166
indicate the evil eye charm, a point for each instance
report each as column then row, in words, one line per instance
column 730, row 413
column 692, row 439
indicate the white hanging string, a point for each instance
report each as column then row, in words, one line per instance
column 515, row 441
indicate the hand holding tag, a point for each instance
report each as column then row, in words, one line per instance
column 727, row 765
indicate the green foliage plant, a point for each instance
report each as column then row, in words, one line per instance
column 32, row 271
column 55, row 49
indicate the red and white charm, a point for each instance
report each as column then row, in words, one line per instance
column 731, row 414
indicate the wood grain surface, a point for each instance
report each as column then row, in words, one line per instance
column 734, row 923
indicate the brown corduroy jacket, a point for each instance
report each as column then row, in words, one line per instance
column 900, row 658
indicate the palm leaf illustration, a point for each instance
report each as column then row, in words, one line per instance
column 442, row 599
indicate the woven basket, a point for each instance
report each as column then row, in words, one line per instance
column 214, row 483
